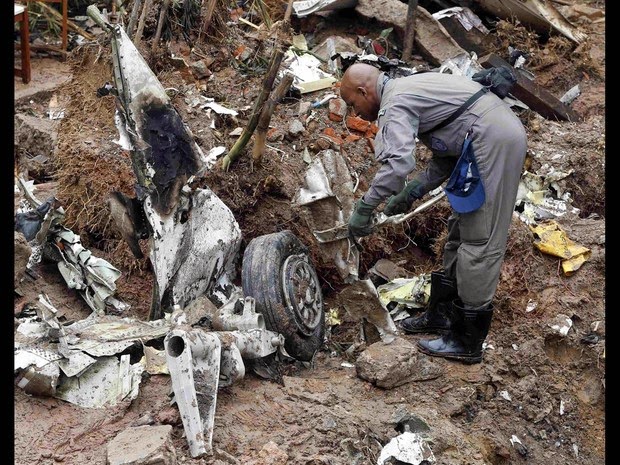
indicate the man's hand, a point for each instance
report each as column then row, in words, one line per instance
column 360, row 223
column 401, row 202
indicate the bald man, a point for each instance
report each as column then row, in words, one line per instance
column 480, row 152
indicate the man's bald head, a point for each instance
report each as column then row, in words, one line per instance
column 359, row 90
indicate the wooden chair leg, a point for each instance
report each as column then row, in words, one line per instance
column 24, row 46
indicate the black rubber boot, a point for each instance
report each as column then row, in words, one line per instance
column 435, row 317
column 464, row 340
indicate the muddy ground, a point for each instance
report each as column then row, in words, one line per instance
column 323, row 413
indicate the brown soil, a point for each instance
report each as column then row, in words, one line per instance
column 324, row 413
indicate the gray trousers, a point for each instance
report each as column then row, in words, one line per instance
column 476, row 242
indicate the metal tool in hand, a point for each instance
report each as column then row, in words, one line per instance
column 379, row 219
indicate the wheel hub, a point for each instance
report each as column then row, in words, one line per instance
column 302, row 293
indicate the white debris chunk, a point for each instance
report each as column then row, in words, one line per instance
column 408, row 448
column 561, row 324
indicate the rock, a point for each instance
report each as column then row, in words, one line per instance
column 341, row 44
column 328, row 424
column 433, row 41
column 274, row 135
column 322, row 144
column 337, row 109
column 561, row 324
column 178, row 62
column 395, row 364
column 270, row 454
column 146, row 419
column 406, row 421
column 200, row 70
column 224, row 457
column 583, row 11
column 303, row 108
column 355, row 123
column 199, row 308
column 590, row 391
column 142, row 445
column 295, row 129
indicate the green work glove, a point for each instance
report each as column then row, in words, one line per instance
column 401, row 202
column 360, row 223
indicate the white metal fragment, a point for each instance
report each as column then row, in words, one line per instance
column 561, row 324
column 409, row 448
column 465, row 16
column 105, row 384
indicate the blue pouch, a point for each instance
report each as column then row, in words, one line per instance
column 464, row 188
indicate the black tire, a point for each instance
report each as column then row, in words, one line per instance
column 277, row 273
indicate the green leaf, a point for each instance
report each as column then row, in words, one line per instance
column 385, row 33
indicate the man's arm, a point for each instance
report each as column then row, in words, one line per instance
column 394, row 149
column 437, row 171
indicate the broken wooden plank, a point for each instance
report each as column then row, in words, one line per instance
column 313, row 86
column 431, row 38
column 534, row 96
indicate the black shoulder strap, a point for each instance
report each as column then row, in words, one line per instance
column 458, row 112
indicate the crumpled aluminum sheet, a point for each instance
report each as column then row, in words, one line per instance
column 542, row 196
column 327, row 195
column 408, row 448
column 105, row 384
column 94, row 278
column 33, row 356
column 76, row 363
column 465, row 16
column 306, row 69
column 317, row 184
column 306, row 7
column 190, row 258
column 102, row 336
column 408, row 293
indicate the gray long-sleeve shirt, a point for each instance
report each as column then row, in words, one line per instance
column 414, row 104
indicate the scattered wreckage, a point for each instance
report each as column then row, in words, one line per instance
column 194, row 245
